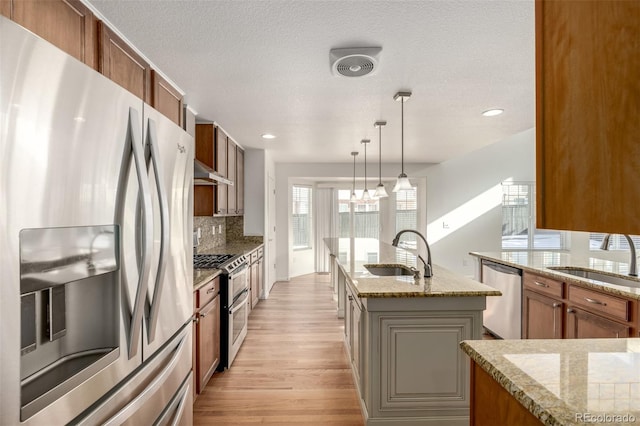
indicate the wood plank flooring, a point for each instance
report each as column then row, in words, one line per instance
column 292, row 368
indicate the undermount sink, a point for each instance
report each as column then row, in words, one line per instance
column 389, row 270
column 598, row 276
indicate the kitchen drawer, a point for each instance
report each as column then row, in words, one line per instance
column 594, row 301
column 207, row 292
column 261, row 252
column 254, row 256
column 543, row 285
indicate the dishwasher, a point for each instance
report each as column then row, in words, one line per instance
column 503, row 315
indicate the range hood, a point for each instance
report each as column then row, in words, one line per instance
column 204, row 175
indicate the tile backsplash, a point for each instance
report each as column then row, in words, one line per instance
column 208, row 239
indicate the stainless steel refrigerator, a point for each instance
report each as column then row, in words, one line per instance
column 95, row 255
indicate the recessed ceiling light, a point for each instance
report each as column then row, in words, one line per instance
column 492, row 112
column 268, row 136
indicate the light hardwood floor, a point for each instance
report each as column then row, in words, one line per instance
column 292, row 368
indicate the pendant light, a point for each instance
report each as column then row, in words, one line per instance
column 365, row 195
column 402, row 184
column 381, row 192
column 354, row 198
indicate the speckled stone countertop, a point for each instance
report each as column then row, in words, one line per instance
column 539, row 262
column 560, row 381
column 202, row 276
column 354, row 253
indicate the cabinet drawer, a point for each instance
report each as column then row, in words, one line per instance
column 208, row 292
column 261, row 252
column 543, row 285
column 594, row 301
column 254, row 256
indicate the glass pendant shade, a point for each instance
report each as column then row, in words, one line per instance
column 402, row 184
column 354, row 197
column 381, row 192
column 366, row 196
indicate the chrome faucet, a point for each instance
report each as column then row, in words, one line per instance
column 633, row 269
column 428, row 269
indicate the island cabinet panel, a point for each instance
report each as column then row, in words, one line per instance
column 67, row 24
column 587, row 109
column 492, row 405
column 120, row 63
column 542, row 316
column 166, row 98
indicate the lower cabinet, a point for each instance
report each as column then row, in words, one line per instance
column 207, row 336
column 584, row 325
column 542, row 316
column 256, row 276
column 554, row 309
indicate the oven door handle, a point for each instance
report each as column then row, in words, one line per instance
column 240, row 301
column 238, row 271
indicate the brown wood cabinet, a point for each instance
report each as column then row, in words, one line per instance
column 221, row 168
column 585, row 325
column 120, row 63
column 587, row 108
column 239, row 181
column 492, row 405
column 542, row 317
column 207, row 320
column 231, row 174
column 166, row 98
column 256, row 276
column 68, row 24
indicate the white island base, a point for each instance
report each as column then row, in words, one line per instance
column 406, row 360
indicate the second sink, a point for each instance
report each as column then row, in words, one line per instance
column 598, row 276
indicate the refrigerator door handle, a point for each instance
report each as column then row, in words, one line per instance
column 165, row 226
column 128, row 410
column 144, row 197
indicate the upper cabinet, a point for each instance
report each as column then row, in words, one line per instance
column 218, row 151
column 67, row 24
column 120, row 63
column 166, row 98
column 587, row 109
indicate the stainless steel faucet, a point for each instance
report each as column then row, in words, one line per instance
column 633, row 268
column 428, row 269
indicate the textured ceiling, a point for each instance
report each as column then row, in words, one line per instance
column 263, row 66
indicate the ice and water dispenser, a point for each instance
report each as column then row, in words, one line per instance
column 70, row 311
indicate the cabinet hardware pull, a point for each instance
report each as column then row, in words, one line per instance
column 557, row 305
column 350, row 297
column 540, row 284
column 597, row 302
column 571, row 311
column 203, row 315
column 211, row 290
column 196, row 319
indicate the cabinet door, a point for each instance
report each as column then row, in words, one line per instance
column 67, row 24
column 260, row 278
column 208, row 335
column 240, row 181
column 166, row 98
column 5, row 8
column 254, row 284
column 231, row 170
column 356, row 359
column 585, row 325
column 587, row 127
column 541, row 317
column 120, row 63
column 221, row 168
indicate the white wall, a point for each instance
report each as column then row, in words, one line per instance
column 254, row 192
column 472, row 185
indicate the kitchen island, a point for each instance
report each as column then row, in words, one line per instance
column 555, row 382
column 402, row 334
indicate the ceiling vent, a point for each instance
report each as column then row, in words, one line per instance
column 354, row 62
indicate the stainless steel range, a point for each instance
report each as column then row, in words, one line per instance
column 234, row 294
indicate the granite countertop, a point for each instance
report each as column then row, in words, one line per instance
column 539, row 262
column 354, row 253
column 203, row 276
column 560, row 380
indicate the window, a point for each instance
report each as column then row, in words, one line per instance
column 518, row 221
column 301, row 217
column 407, row 215
column 366, row 216
column 616, row 242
